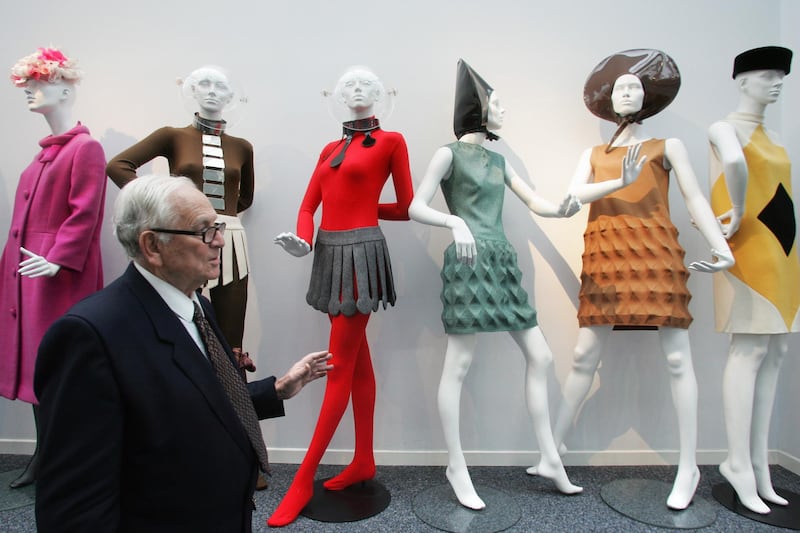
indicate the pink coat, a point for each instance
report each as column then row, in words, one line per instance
column 58, row 213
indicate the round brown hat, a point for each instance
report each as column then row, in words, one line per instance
column 656, row 70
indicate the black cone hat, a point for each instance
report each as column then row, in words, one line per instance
column 471, row 110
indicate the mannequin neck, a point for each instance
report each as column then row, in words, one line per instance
column 475, row 137
column 750, row 105
column 59, row 119
column 358, row 114
column 210, row 115
column 632, row 134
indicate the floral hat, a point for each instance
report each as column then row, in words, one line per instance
column 46, row 64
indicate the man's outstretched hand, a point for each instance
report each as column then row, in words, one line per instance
column 312, row 366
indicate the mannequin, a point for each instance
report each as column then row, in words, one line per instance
column 479, row 253
column 757, row 300
column 629, row 87
column 351, row 274
column 52, row 256
column 222, row 167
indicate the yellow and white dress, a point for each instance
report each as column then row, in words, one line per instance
column 761, row 292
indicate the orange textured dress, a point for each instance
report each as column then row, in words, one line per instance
column 633, row 272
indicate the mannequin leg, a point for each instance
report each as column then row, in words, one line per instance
column 746, row 355
column 587, row 357
column 457, row 360
column 230, row 306
column 347, row 336
column 28, row 475
column 362, row 467
column 763, row 400
column 678, row 353
column 538, row 359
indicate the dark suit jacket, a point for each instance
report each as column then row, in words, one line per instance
column 136, row 433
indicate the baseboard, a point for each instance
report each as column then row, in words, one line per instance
column 787, row 461
column 484, row 458
column 17, row 446
column 505, row 458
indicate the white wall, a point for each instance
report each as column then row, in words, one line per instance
column 537, row 55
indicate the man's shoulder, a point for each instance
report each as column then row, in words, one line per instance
column 115, row 301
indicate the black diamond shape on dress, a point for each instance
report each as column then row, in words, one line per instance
column 778, row 217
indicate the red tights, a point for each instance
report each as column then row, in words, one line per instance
column 352, row 373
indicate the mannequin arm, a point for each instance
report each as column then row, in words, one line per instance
column 699, row 210
column 587, row 191
column 439, row 169
column 309, row 205
column 37, row 266
column 568, row 206
column 727, row 147
column 122, row 169
column 84, row 199
column 403, row 188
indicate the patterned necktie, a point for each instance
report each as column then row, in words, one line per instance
column 234, row 386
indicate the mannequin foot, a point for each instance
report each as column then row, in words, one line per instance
column 765, row 489
column 355, row 473
column 556, row 473
column 744, row 484
column 261, row 481
column 28, row 476
column 683, row 488
column 462, row 485
column 293, row 502
column 532, row 470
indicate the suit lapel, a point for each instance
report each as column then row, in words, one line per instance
column 187, row 356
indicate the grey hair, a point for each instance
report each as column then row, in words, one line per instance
column 145, row 203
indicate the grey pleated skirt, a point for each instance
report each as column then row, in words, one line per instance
column 351, row 273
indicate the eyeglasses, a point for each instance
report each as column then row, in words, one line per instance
column 207, row 234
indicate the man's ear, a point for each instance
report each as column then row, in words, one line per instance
column 151, row 245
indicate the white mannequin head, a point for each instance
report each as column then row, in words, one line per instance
column 627, row 97
column 496, row 114
column 44, row 97
column 48, row 78
column 359, row 89
column 763, row 87
column 211, row 90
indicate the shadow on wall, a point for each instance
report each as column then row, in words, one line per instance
column 114, row 258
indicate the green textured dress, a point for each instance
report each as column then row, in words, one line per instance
column 486, row 296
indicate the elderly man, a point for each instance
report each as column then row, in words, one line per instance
column 146, row 424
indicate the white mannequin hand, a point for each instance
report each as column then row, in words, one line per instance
column 734, row 218
column 569, row 206
column 292, row 244
column 630, row 167
column 722, row 260
column 466, row 251
column 37, row 266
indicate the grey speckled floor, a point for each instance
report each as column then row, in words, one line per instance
column 542, row 507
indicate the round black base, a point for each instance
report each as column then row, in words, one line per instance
column 438, row 507
column 354, row 503
column 787, row 516
column 645, row 500
column 14, row 498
